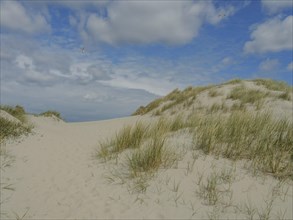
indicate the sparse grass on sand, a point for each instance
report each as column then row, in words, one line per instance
column 231, row 130
column 256, row 137
column 273, row 84
column 127, row 138
column 10, row 129
column 266, row 142
column 245, row 95
column 51, row 113
column 17, row 111
column 233, row 81
column 174, row 98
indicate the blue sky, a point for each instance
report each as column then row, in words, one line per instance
column 135, row 51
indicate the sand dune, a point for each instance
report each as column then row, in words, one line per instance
column 55, row 176
column 54, row 172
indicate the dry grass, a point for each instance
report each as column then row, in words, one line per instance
column 233, row 82
column 11, row 129
column 127, row 138
column 150, row 158
column 176, row 97
column 268, row 143
column 213, row 190
column 51, row 113
column 245, row 95
column 285, row 96
column 273, row 84
column 17, row 112
column 214, row 92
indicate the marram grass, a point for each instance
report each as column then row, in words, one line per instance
column 256, row 137
column 267, row 142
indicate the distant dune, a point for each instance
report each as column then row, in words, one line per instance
column 216, row 152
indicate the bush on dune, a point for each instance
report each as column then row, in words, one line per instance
column 51, row 113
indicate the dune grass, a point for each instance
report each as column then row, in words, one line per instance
column 51, row 113
column 233, row 81
column 17, row 111
column 273, row 84
column 214, row 92
column 256, row 137
column 285, row 96
column 268, row 143
column 129, row 137
column 245, row 95
column 11, row 130
column 175, row 97
column 148, row 159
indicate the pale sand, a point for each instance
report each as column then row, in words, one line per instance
column 55, row 176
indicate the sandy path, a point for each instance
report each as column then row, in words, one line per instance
column 54, row 174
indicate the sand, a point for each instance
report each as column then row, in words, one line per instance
column 54, row 175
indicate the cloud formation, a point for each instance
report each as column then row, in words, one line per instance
column 276, row 6
column 274, row 35
column 14, row 16
column 269, row 65
column 172, row 22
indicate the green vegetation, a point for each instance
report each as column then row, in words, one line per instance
column 213, row 191
column 245, row 95
column 17, row 112
column 213, row 92
column 273, row 84
column 266, row 142
column 51, row 113
column 127, row 138
column 10, row 129
column 228, row 130
column 240, row 92
column 218, row 107
column 233, row 81
column 143, row 110
column 285, row 96
column 176, row 97
column 147, row 159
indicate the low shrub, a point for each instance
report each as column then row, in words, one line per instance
column 51, row 113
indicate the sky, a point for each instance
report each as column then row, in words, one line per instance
column 94, row 60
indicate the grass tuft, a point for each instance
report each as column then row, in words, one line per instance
column 247, row 95
column 10, row 129
column 127, row 138
column 147, row 159
column 17, row 111
column 51, row 113
column 268, row 143
column 273, row 84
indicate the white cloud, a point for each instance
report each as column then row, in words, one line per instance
column 227, row 61
column 30, row 73
column 273, row 35
column 96, row 97
column 172, row 22
column 15, row 16
column 276, row 6
column 152, row 85
column 290, row 66
column 269, row 65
